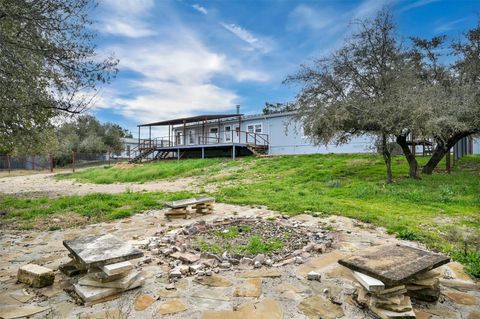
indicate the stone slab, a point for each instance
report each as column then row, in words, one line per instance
column 91, row 294
column 97, row 251
column 386, row 314
column 122, row 283
column 113, row 269
column 393, row 264
column 190, row 201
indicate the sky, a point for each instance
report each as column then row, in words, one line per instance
column 180, row 58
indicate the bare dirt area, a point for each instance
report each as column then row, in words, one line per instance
column 275, row 291
column 45, row 184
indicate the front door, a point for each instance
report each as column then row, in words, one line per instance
column 212, row 135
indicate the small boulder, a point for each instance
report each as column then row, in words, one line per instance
column 260, row 258
column 35, row 276
column 313, row 276
column 175, row 273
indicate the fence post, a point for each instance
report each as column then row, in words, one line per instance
column 51, row 163
column 9, row 164
column 73, row 161
column 447, row 162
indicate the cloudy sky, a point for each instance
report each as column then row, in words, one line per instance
column 182, row 57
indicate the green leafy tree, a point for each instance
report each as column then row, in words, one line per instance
column 48, row 66
column 355, row 90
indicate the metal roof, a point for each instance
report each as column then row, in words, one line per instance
column 192, row 119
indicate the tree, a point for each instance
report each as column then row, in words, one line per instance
column 48, row 65
column 87, row 135
column 355, row 90
column 455, row 105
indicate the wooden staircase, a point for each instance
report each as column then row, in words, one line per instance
column 258, row 150
column 142, row 155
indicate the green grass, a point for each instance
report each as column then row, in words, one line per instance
column 429, row 210
column 95, row 207
column 147, row 172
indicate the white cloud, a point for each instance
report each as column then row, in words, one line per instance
column 448, row 26
column 199, row 8
column 306, row 17
column 129, row 29
column 125, row 18
column 416, row 4
column 246, row 36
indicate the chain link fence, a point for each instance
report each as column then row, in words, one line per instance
column 50, row 163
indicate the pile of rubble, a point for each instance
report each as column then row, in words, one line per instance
column 179, row 246
column 106, row 262
column 389, row 275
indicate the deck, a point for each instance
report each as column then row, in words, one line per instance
column 178, row 144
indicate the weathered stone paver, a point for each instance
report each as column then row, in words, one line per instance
column 265, row 309
column 252, row 287
column 318, row 307
column 142, row 302
column 172, row 306
column 285, row 292
column 214, row 281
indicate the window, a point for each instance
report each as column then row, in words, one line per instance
column 191, row 137
column 255, row 128
column 128, row 150
column 179, row 138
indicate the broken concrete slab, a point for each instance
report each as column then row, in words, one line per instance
column 393, row 264
column 35, row 275
column 118, row 268
column 97, row 251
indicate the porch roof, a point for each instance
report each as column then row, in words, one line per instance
column 192, row 119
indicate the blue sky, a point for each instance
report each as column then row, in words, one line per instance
column 181, row 57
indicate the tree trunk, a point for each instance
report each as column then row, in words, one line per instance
column 387, row 157
column 437, row 156
column 411, row 159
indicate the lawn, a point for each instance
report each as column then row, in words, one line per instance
column 441, row 210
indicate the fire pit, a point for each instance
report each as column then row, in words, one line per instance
column 246, row 242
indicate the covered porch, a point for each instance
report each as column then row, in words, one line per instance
column 200, row 136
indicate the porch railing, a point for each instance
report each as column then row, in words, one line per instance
column 229, row 137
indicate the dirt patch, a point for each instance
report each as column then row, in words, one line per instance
column 46, row 184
